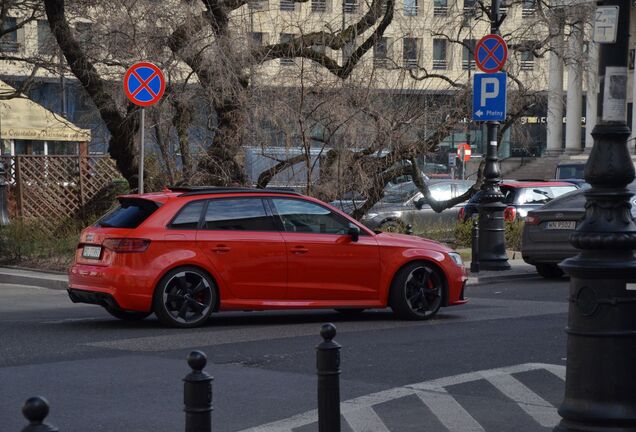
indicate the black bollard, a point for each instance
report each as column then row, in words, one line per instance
column 474, row 260
column 35, row 410
column 328, row 366
column 197, row 395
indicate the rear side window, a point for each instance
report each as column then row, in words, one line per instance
column 189, row 216
column 543, row 194
column 129, row 214
column 238, row 214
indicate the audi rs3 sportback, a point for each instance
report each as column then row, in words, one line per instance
column 186, row 253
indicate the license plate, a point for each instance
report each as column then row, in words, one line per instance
column 560, row 225
column 92, row 252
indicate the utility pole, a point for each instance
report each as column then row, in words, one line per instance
column 600, row 384
column 492, row 243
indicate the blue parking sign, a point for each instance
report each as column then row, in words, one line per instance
column 489, row 96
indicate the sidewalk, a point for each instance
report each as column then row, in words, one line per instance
column 518, row 270
column 12, row 275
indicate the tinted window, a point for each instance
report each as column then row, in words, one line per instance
column 543, row 194
column 570, row 171
column 189, row 216
column 130, row 214
column 305, row 216
column 238, row 214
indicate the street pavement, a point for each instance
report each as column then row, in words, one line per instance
column 495, row 364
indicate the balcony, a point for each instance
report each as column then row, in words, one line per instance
column 440, row 64
column 381, row 62
column 350, row 6
column 440, row 10
column 466, row 64
column 527, row 65
column 410, row 10
column 9, row 46
column 258, row 4
column 527, row 12
column 318, row 5
column 411, row 63
column 287, row 6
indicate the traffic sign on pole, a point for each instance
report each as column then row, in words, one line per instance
column 144, row 84
column 464, row 152
column 489, row 97
column 491, row 53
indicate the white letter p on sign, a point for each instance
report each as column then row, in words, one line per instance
column 485, row 94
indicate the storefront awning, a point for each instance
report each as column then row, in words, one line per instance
column 23, row 119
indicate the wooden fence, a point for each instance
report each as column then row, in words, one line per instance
column 54, row 188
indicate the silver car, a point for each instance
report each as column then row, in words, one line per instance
column 406, row 206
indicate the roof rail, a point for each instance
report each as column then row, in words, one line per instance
column 204, row 190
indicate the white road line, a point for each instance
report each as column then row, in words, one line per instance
column 365, row 420
column 448, row 411
column 432, row 391
column 533, row 404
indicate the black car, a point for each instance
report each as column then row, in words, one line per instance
column 547, row 231
column 520, row 197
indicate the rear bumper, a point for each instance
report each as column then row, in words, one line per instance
column 124, row 289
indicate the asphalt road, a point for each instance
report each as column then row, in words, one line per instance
column 495, row 364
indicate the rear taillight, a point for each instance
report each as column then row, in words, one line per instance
column 510, row 214
column 532, row 220
column 461, row 214
column 125, row 245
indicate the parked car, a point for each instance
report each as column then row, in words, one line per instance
column 408, row 206
column 570, row 170
column 546, row 233
column 184, row 254
column 520, row 197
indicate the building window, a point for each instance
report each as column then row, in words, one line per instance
column 381, row 53
column 409, row 53
column 258, row 39
column 469, row 7
column 258, row 4
column 468, row 54
column 285, row 38
column 440, row 7
column 350, row 6
column 287, row 5
column 439, row 54
column 527, row 8
column 410, row 7
column 319, row 6
column 46, row 41
column 526, row 56
column 9, row 41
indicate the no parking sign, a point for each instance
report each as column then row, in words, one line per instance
column 144, row 84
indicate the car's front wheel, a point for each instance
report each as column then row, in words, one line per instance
column 185, row 297
column 416, row 291
column 549, row 271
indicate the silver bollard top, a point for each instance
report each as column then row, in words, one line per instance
column 328, row 331
column 197, row 360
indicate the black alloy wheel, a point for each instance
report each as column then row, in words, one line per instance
column 185, row 297
column 416, row 292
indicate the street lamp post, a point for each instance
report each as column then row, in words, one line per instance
column 600, row 386
column 492, row 243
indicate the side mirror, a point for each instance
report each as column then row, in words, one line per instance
column 420, row 203
column 354, row 232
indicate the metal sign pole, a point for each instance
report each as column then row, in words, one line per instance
column 141, row 154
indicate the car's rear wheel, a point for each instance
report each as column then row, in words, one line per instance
column 128, row 315
column 416, row 291
column 185, row 297
column 549, row 271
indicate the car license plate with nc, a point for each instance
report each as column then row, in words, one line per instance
column 92, row 252
column 561, row 225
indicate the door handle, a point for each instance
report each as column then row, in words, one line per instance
column 221, row 249
column 299, row 250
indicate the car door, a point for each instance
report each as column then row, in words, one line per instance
column 245, row 247
column 323, row 261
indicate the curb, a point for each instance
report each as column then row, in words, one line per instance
column 18, row 276
column 500, row 278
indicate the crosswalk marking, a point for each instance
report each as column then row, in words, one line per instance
column 361, row 416
column 365, row 420
column 448, row 411
column 533, row 404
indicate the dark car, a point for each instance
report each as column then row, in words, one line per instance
column 546, row 232
column 407, row 206
column 520, row 197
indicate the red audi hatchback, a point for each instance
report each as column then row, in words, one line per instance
column 185, row 253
